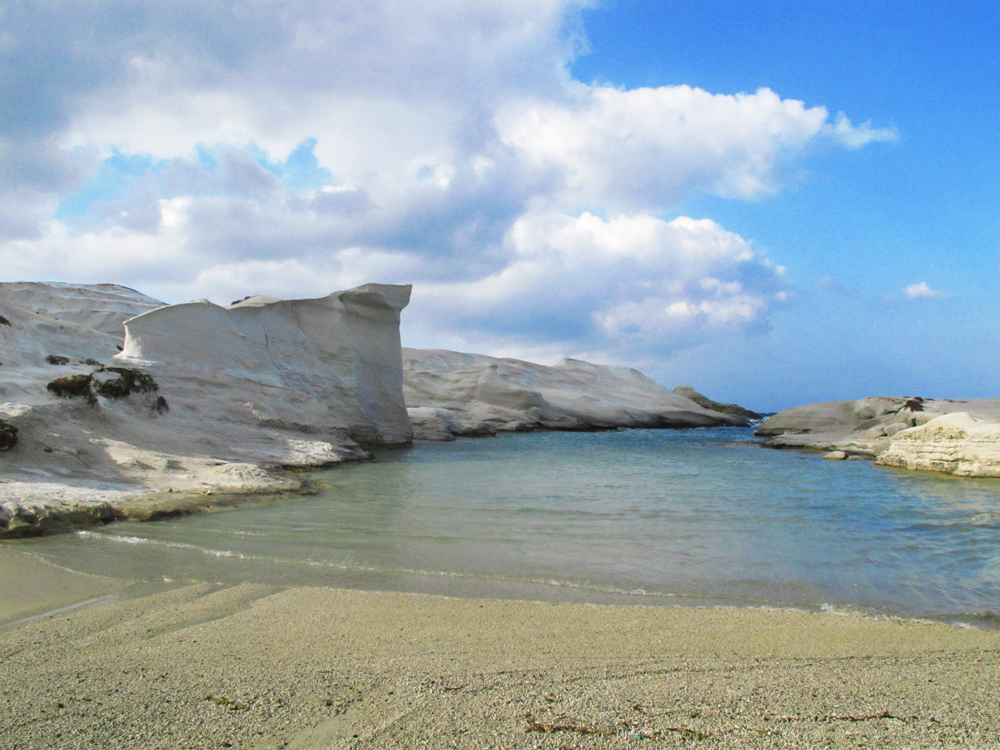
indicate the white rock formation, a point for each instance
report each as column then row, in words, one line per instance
column 316, row 366
column 76, row 321
column 952, row 436
column 451, row 394
column 240, row 391
column 954, row 443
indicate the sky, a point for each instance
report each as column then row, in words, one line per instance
column 776, row 202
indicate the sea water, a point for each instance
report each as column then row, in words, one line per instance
column 659, row 517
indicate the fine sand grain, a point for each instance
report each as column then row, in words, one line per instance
column 208, row 666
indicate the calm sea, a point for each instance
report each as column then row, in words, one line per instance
column 656, row 517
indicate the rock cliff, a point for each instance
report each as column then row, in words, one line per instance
column 327, row 366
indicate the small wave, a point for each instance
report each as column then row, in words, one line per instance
column 123, row 539
column 990, row 520
column 978, row 521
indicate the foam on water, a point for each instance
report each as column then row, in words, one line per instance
column 642, row 516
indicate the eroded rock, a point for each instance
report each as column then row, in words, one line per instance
column 451, row 394
column 954, row 443
column 950, row 436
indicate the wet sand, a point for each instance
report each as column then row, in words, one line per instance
column 205, row 666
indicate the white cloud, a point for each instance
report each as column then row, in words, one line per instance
column 622, row 284
column 455, row 152
column 648, row 148
column 854, row 137
column 922, row 291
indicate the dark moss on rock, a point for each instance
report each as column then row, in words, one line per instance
column 109, row 382
column 5, row 322
column 8, row 435
column 74, row 386
column 56, row 359
column 707, row 403
column 92, row 362
column 127, row 382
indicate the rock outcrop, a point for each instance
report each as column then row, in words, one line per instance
column 202, row 399
column 450, row 394
column 326, row 366
column 952, row 436
column 689, row 392
column 956, row 443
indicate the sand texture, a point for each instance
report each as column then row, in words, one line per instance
column 451, row 394
column 207, row 666
column 960, row 437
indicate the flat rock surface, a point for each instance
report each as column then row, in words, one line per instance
column 450, row 393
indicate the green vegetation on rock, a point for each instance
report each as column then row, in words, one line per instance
column 73, row 386
column 129, row 381
column 8, row 435
column 122, row 382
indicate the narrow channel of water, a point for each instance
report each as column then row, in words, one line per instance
column 639, row 516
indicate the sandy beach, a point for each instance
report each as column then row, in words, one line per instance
column 247, row 666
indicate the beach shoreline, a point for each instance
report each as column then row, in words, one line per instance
column 253, row 666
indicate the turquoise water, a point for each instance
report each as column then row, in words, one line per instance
column 638, row 516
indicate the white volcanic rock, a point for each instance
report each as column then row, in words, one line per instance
column 449, row 393
column 954, row 443
column 318, row 366
column 77, row 321
column 895, row 432
column 238, row 392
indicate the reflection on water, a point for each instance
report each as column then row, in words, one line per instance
column 640, row 516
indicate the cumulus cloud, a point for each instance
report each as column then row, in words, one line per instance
column 922, row 291
column 648, row 148
column 630, row 282
column 293, row 147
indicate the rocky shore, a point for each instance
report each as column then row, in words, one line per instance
column 115, row 406
column 959, row 437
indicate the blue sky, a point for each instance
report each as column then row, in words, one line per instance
column 859, row 227
column 775, row 202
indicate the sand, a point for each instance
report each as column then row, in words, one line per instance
column 206, row 666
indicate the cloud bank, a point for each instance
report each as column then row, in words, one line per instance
column 292, row 148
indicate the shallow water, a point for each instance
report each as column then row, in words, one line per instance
column 640, row 516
